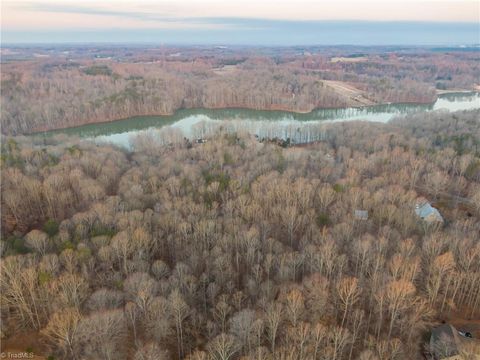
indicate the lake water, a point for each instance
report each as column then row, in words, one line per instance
column 196, row 123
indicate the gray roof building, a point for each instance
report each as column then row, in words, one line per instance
column 361, row 214
column 444, row 343
column 427, row 212
column 447, row 343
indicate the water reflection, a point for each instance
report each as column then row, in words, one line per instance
column 198, row 122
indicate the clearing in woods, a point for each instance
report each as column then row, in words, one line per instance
column 355, row 97
column 349, row 59
column 225, row 70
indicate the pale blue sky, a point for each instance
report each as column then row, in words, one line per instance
column 249, row 22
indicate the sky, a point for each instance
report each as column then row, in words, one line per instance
column 242, row 22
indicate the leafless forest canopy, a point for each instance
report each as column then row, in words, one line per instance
column 44, row 89
column 235, row 248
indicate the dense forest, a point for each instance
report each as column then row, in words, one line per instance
column 235, row 248
column 49, row 91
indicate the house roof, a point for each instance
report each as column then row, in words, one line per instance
column 444, row 341
column 426, row 210
column 447, row 342
column 361, row 214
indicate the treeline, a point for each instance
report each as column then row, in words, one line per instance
column 238, row 249
column 42, row 95
column 69, row 97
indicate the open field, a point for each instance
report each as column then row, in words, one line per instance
column 349, row 59
column 225, row 70
column 354, row 96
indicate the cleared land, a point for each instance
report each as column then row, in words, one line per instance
column 349, row 59
column 225, row 70
column 353, row 95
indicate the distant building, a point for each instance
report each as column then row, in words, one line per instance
column 427, row 212
column 361, row 214
column 447, row 343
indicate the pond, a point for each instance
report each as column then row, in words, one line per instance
column 196, row 123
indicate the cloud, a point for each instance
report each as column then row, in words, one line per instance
column 194, row 11
column 145, row 18
column 269, row 33
column 35, row 16
column 46, row 7
column 175, row 22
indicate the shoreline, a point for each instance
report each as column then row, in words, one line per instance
column 272, row 109
column 455, row 91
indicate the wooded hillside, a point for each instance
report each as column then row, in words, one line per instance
column 59, row 91
column 238, row 249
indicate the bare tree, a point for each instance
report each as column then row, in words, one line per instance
column 151, row 351
column 348, row 294
column 398, row 294
column 295, row 306
column 62, row 332
column 222, row 347
column 38, row 241
column 273, row 319
column 180, row 312
column 103, row 335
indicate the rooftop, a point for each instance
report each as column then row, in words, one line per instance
column 427, row 212
column 446, row 342
column 443, row 342
column 361, row 214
